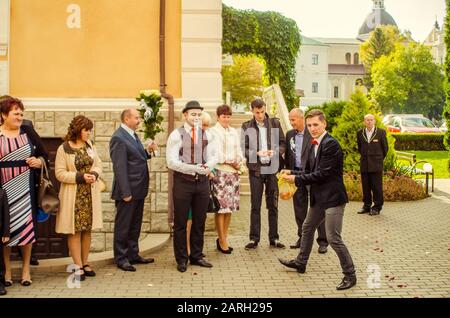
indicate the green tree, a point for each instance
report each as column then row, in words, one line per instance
column 381, row 42
column 447, row 76
column 332, row 110
column 244, row 79
column 268, row 35
column 408, row 81
column 351, row 120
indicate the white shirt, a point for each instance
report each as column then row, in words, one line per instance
column 175, row 143
column 319, row 140
column 128, row 130
column 369, row 134
column 228, row 143
column 263, row 141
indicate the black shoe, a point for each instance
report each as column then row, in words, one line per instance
column 3, row 291
column 363, row 211
column 8, row 283
column 201, row 262
column 141, row 260
column 296, row 245
column 90, row 273
column 34, row 261
column 127, row 267
column 322, row 249
column 181, row 268
column 293, row 264
column 347, row 282
column 219, row 248
column 251, row 245
column 277, row 244
column 374, row 212
column 78, row 277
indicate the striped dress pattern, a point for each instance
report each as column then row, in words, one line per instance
column 15, row 176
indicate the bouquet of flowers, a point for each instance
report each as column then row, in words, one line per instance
column 149, row 104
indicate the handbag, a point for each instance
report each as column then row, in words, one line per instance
column 213, row 204
column 101, row 184
column 48, row 199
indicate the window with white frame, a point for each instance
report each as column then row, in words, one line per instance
column 315, row 87
column 315, row 59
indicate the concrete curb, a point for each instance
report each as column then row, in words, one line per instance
column 148, row 245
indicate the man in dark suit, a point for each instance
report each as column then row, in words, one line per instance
column 373, row 147
column 129, row 189
column 263, row 143
column 298, row 146
column 324, row 172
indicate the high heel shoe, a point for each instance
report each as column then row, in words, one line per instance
column 228, row 251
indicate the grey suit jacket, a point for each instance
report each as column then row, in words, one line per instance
column 289, row 158
column 130, row 168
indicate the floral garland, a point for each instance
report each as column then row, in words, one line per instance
column 149, row 105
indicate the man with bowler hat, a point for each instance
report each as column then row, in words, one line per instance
column 190, row 155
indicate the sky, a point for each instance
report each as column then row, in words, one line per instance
column 343, row 18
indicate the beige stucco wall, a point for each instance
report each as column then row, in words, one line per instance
column 114, row 52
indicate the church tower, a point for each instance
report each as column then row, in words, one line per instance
column 378, row 16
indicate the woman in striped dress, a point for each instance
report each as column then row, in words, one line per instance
column 20, row 149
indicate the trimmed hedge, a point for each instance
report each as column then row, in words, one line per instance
column 417, row 141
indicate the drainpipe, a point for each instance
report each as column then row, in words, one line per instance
column 164, row 94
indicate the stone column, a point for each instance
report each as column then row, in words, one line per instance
column 4, row 46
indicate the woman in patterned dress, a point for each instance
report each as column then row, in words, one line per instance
column 226, row 180
column 78, row 167
column 21, row 152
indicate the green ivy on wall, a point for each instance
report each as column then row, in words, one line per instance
column 269, row 35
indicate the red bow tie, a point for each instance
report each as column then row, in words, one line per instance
column 314, row 142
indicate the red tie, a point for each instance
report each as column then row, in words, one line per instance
column 193, row 134
column 314, row 142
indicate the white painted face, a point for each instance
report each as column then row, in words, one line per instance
column 192, row 117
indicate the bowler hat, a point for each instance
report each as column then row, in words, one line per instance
column 193, row 104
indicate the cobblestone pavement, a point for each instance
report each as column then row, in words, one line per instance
column 404, row 252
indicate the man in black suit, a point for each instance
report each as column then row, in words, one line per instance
column 129, row 189
column 324, row 172
column 373, row 147
column 298, row 142
column 263, row 143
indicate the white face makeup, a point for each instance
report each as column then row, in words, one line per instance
column 192, row 117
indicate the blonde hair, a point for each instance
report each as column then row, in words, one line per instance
column 206, row 119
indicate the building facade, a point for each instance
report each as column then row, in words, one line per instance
column 329, row 69
column 65, row 58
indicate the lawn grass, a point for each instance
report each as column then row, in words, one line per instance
column 437, row 158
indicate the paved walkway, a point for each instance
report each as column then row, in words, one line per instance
column 404, row 252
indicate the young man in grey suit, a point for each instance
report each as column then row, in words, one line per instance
column 298, row 146
column 129, row 189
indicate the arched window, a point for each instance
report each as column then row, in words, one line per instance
column 348, row 58
column 356, row 58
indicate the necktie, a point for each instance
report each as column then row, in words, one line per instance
column 314, row 142
column 193, row 134
column 138, row 142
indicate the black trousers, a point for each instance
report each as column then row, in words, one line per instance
column 257, row 184
column 189, row 194
column 2, row 264
column 372, row 185
column 300, row 202
column 127, row 229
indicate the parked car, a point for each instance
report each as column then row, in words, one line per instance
column 443, row 128
column 412, row 123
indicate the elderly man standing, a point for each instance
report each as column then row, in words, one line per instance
column 298, row 147
column 129, row 189
column 373, row 147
